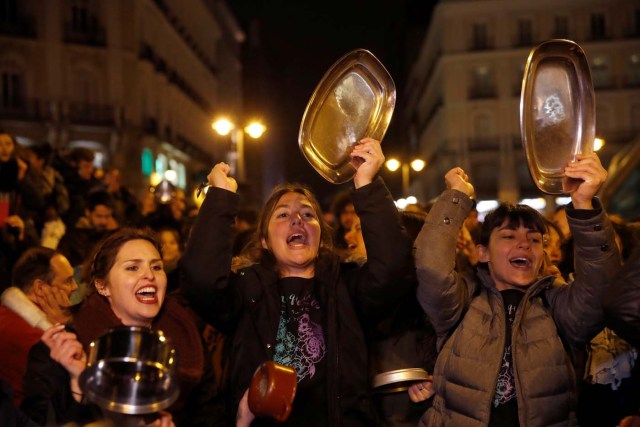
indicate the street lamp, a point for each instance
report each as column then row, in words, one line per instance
column 223, row 126
column 395, row 164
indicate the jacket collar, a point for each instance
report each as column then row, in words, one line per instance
column 535, row 289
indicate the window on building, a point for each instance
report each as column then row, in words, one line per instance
column 633, row 70
column 83, row 26
column 11, row 85
column 480, row 36
column 482, row 85
column 598, row 26
column 178, row 175
column 162, row 164
column 601, row 72
column 636, row 23
column 182, row 176
column 561, row 27
column 483, row 132
column 604, row 119
column 635, row 117
column 517, row 79
column 8, row 11
column 80, row 16
column 482, row 127
column 85, row 86
column 147, row 162
column 525, row 32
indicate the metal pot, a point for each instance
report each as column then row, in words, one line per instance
column 131, row 370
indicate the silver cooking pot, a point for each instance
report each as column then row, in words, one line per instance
column 131, row 370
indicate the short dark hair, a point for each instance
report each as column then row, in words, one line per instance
column 515, row 215
column 105, row 252
column 552, row 225
column 413, row 222
column 97, row 198
column 78, row 154
column 42, row 151
column 33, row 264
column 340, row 201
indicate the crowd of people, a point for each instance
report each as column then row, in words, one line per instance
column 516, row 320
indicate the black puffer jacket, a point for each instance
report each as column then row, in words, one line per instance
column 247, row 304
column 622, row 302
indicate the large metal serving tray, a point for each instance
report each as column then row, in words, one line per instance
column 557, row 112
column 354, row 99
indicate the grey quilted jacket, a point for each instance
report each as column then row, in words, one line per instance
column 468, row 315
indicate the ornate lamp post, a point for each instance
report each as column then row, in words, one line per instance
column 224, row 126
column 394, row 164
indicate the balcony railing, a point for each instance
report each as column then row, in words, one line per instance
column 482, row 92
column 484, row 143
column 147, row 53
column 19, row 26
column 26, row 109
column 186, row 37
column 481, row 44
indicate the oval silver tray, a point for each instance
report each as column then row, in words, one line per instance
column 557, row 112
column 354, row 99
column 398, row 380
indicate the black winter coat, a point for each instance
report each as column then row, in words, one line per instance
column 246, row 303
column 622, row 301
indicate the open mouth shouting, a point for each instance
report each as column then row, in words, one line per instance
column 521, row 263
column 297, row 240
column 147, row 295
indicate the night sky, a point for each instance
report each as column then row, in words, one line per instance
column 298, row 42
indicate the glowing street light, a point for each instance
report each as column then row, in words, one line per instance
column 418, row 164
column 395, row 164
column 222, row 126
column 392, row 164
column 255, row 130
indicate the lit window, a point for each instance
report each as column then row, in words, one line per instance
column 633, row 70
column 601, row 72
column 147, row 162
column 161, row 164
column 182, row 176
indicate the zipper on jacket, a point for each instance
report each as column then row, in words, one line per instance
column 503, row 317
column 516, row 376
column 522, row 308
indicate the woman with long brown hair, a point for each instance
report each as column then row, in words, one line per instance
column 288, row 298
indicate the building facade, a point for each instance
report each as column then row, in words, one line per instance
column 139, row 82
column 463, row 94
